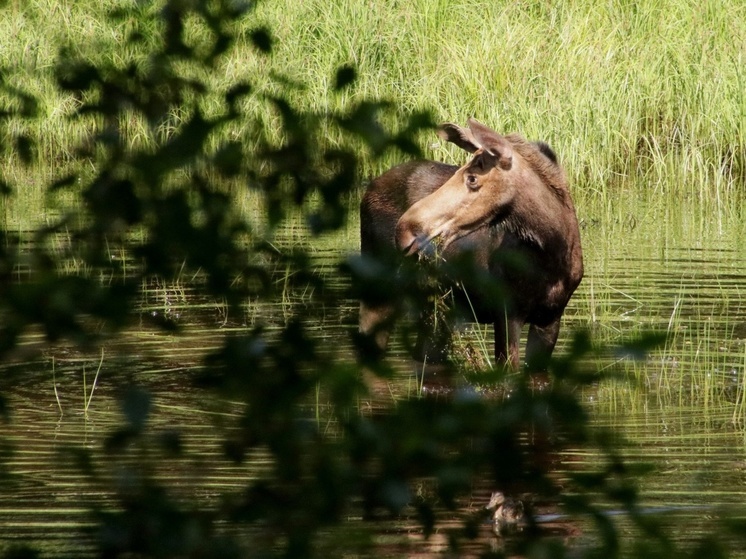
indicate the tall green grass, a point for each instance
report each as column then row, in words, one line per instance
column 644, row 95
column 642, row 100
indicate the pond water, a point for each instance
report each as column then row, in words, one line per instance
column 681, row 409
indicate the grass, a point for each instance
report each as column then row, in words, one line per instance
column 631, row 94
column 642, row 97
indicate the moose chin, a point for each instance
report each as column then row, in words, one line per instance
column 509, row 202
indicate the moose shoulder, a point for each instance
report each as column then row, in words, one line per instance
column 510, row 199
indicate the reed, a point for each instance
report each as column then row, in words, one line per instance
column 54, row 385
column 88, row 396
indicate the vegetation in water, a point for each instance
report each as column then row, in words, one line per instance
column 141, row 124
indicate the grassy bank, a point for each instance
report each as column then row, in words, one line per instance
column 640, row 99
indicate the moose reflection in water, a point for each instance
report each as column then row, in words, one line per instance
column 510, row 208
column 507, row 514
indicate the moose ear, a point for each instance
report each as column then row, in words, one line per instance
column 492, row 143
column 462, row 137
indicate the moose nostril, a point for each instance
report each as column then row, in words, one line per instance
column 406, row 242
column 405, row 238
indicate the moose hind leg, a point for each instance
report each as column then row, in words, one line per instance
column 540, row 344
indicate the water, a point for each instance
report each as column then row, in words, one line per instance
column 681, row 410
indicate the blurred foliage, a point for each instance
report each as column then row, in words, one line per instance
column 162, row 203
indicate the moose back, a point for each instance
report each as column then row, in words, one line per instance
column 510, row 199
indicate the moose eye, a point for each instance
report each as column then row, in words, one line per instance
column 471, row 182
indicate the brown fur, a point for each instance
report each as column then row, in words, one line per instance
column 551, row 173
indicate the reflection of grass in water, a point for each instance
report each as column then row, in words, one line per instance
column 739, row 409
column 701, row 362
column 673, row 271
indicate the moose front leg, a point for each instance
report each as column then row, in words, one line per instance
column 507, row 340
column 540, row 345
column 376, row 323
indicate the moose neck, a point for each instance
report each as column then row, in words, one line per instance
column 540, row 213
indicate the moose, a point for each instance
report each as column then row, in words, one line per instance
column 508, row 207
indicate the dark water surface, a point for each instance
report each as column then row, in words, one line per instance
column 681, row 410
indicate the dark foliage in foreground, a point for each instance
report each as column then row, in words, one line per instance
column 367, row 468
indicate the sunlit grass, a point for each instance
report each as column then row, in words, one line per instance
column 645, row 97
